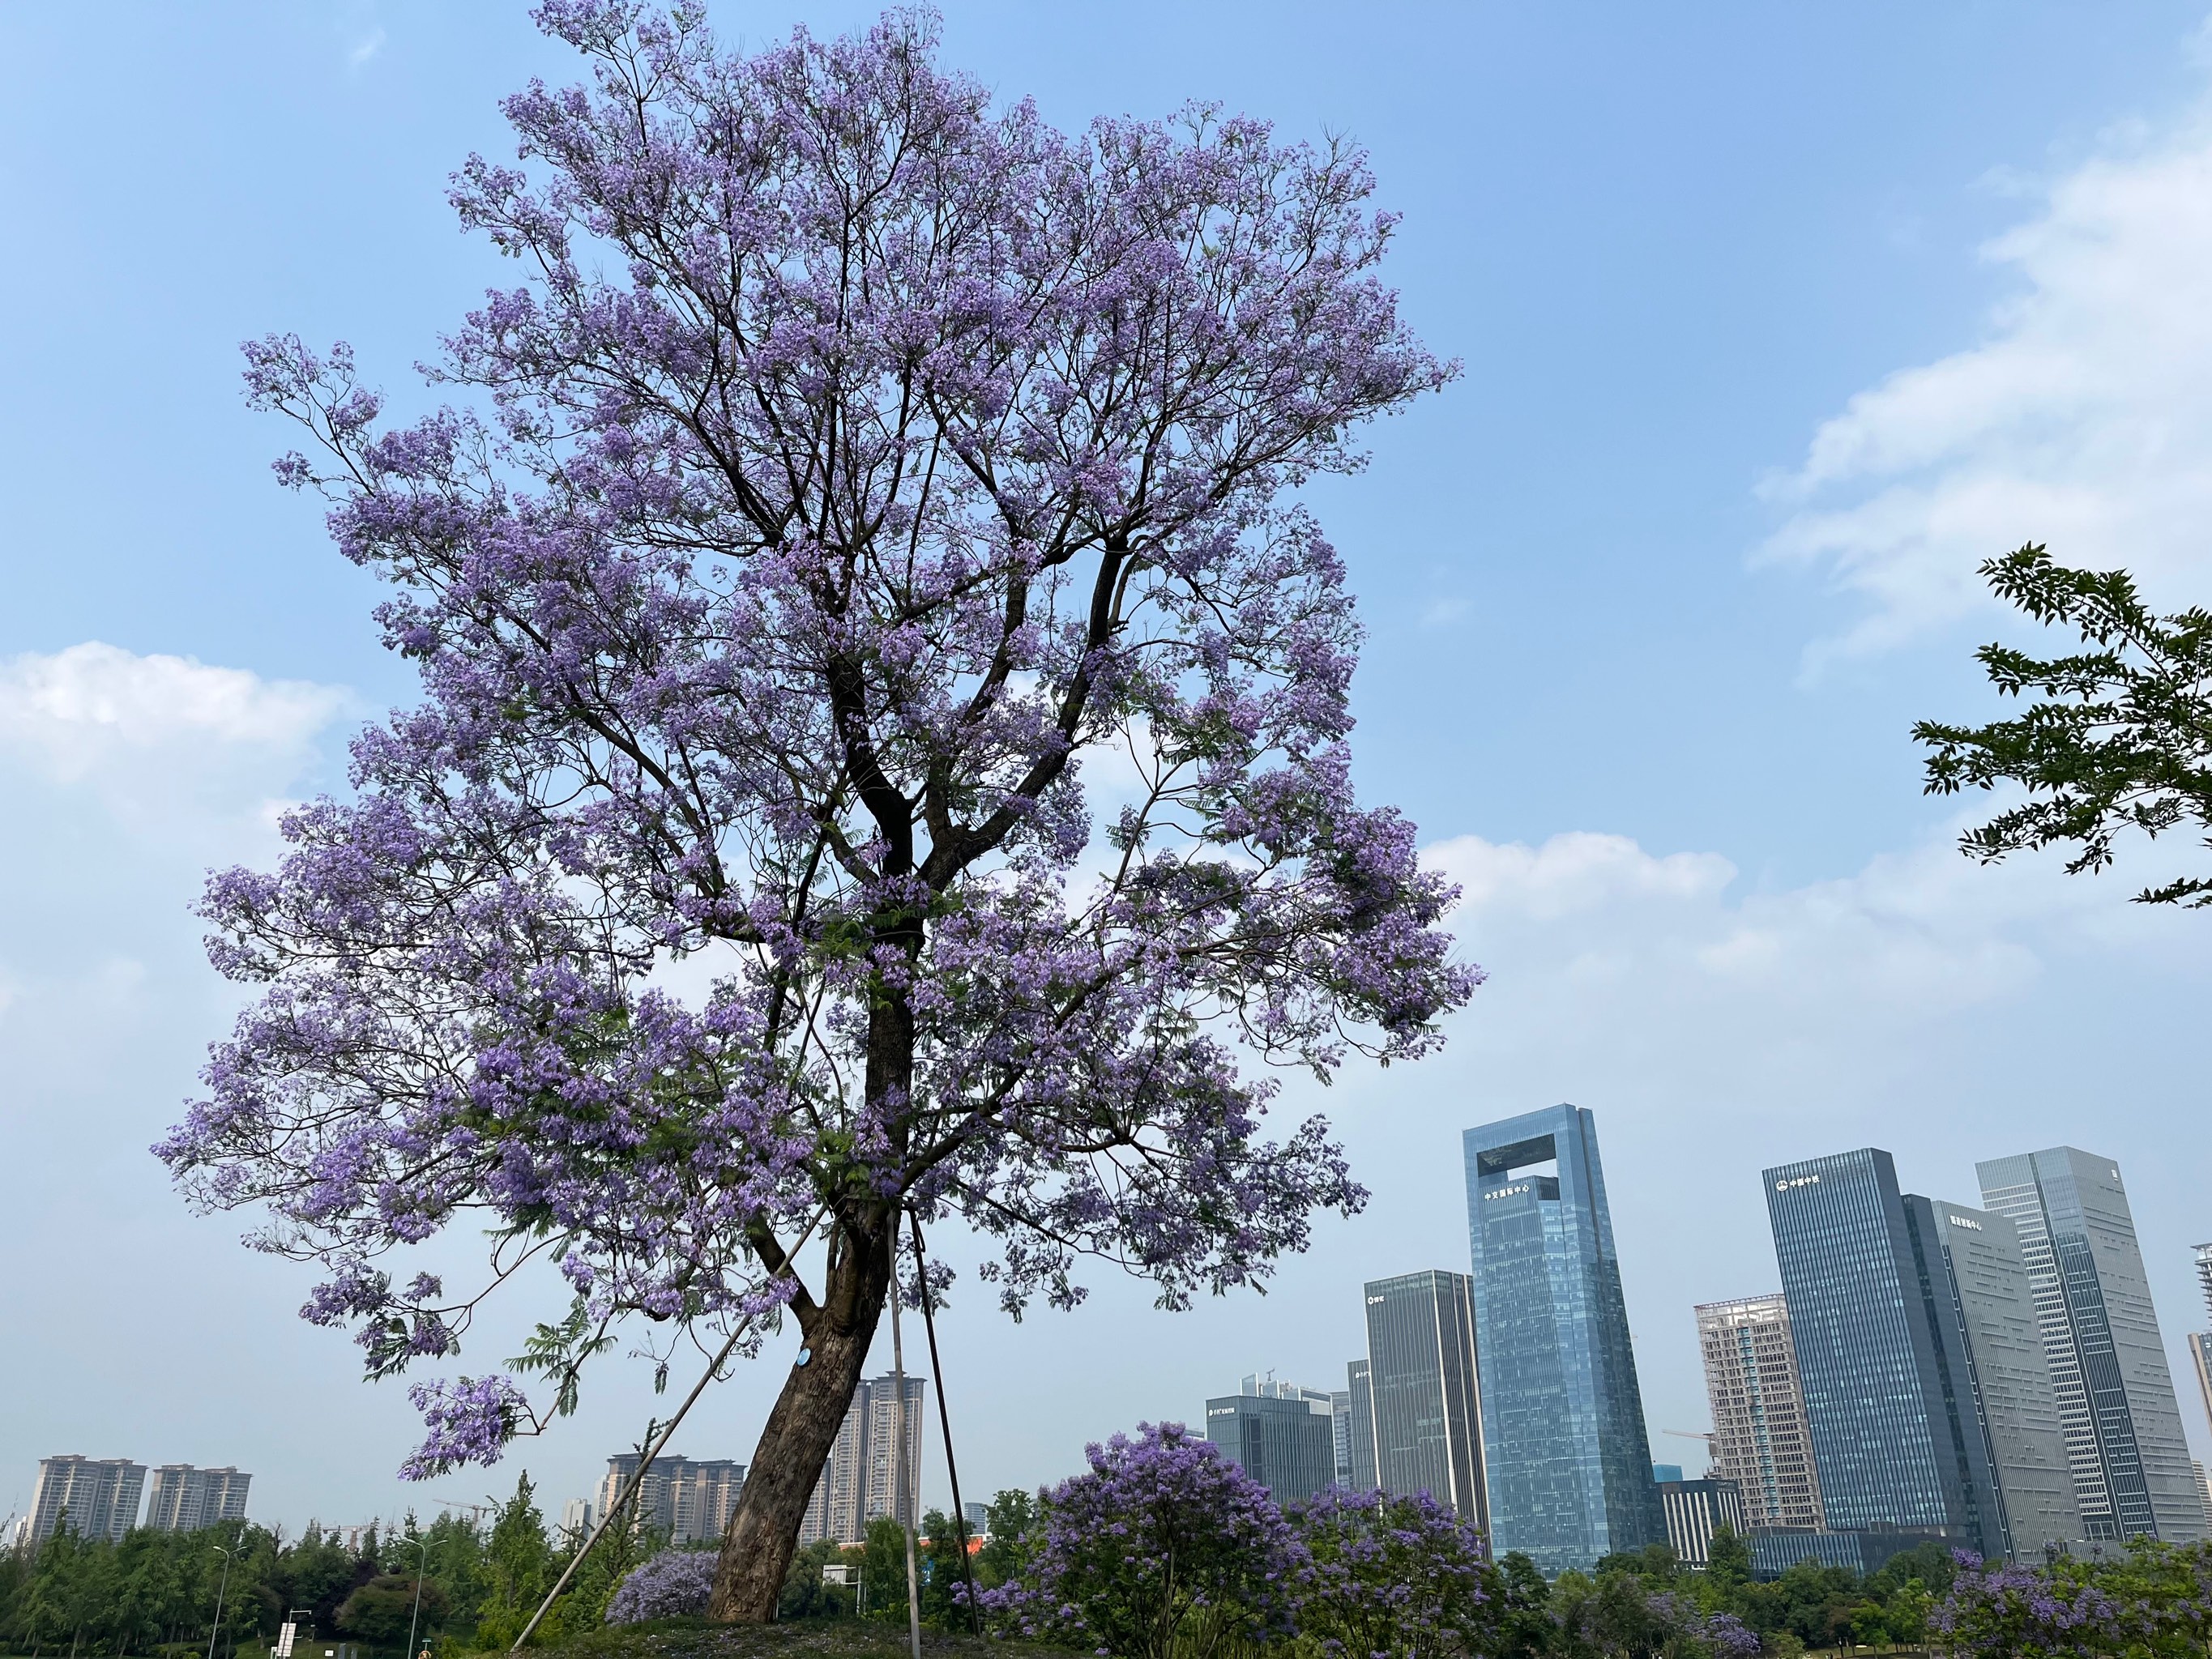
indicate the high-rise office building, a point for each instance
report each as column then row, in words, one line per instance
column 1760, row 1441
column 1998, row 1401
column 860, row 1480
column 1860, row 1324
column 2101, row 1336
column 687, row 1500
column 93, row 1497
column 1422, row 1396
column 1359, row 1425
column 2204, row 1491
column 1569, row 1460
column 2200, row 1342
column 1695, row 1510
column 181, row 1498
column 1340, row 1436
column 1280, row 1434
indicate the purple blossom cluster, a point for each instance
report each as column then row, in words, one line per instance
column 1390, row 1575
column 2157, row 1599
column 672, row 1584
column 1164, row 1547
column 1708, row 1635
column 883, row 740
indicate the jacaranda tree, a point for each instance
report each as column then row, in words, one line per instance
column 884, row 739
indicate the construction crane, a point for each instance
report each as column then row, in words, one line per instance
column 477, row 1511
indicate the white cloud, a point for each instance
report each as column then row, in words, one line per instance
column 365, row 48
column 158, row 737
column 2083, row 420
column 1666, row 969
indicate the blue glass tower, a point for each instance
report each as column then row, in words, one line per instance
column 1564, row 1442
column 1868, row 1357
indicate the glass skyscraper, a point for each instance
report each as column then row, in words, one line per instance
column 1867, row 1353
column 1359, row 1427
column 1998, row 1400
column 1564, row 1439
column 2108, row 1369
column 1419, row 1379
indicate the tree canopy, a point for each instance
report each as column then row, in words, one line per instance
column 884, row 734
column 2118, row 736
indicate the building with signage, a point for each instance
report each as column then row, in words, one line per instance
column 1424, row 1409
column 1760, row 1441
column 1997, row 1391
column 1568, row 1458
column 1282, row 1436
column 2116, row 1405
column 1861, row 1325
column 1360, row 1426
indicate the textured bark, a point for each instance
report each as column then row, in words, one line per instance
column 763, row 1533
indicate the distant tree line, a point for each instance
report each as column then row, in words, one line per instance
column 155, row 1592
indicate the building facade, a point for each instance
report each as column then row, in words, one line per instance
column 1695, row 1510
column 1883, row 1445
column 1568, row 1457
column 686, row 1500
column 1283, row 1437
column 1760, row 1441
column 93, row 1497
column 2200, row 1342
column 2108, row 1370
column 1423, row 1400
column 181, row 1498
column 861, row 1478
column 1359, row 1425
column 1998, row 1401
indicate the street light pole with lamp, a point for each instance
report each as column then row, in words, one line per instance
column 220, row 1589
column 422, row 1571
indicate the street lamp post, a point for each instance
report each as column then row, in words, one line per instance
column 421, row 1570
column 220, row 1588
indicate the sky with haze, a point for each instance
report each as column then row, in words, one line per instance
column 1775, row 321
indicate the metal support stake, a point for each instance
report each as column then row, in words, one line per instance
column 945, row 1421
column 655, row 1449
column 901, row 1498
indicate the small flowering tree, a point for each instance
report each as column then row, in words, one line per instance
column 1165, row 1547
column 884, row 734
column 1400, row 1577
column 673, row 1584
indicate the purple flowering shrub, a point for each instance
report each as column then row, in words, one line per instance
column 2157, row 1599
column 1165, row 1547
column 1395, row 1575
column 673, row 1584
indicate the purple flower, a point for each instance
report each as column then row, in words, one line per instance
column 673, row 1584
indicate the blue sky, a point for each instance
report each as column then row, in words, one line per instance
column 1775, row 319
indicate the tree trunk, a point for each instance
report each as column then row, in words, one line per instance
column 763, row 1532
